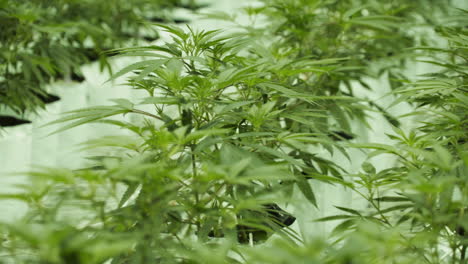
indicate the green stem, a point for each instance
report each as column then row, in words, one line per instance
column 462, row 254
column 194, row 174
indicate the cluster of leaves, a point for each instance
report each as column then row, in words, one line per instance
column 371, row 35
column 425, row 195
column 231, row 126
column 41, row 41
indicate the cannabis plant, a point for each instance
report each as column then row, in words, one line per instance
column 224, row 141
column 425, row 194
column 372, row 36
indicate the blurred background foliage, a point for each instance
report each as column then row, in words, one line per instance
column 44, row 41
column 231, row 126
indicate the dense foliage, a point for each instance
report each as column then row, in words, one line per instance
column 230, row 129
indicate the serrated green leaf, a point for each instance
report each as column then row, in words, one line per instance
column 137, row 66
column 348, row 210
column 333, row 217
